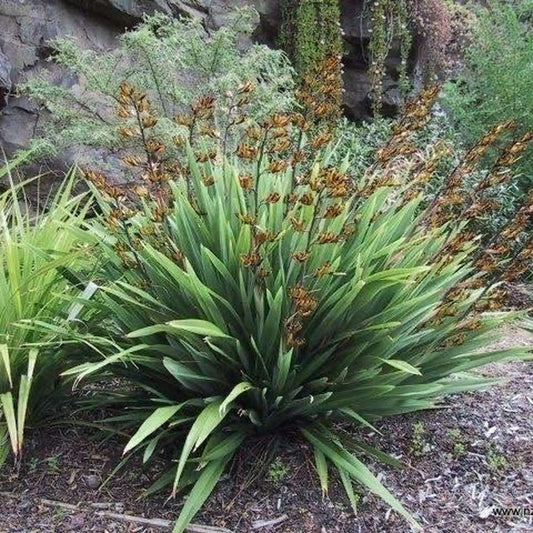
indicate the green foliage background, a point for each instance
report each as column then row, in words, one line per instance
column 497, row 82
column 37, row 252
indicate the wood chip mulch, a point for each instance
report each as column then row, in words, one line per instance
column 462, row 462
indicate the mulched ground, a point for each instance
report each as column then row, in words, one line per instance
column 461, row 461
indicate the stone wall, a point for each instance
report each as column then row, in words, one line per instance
column 27, row 26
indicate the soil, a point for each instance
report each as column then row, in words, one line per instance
column 461, row 461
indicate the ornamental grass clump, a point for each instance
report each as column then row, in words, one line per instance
column 38, row 249
column 261, row 289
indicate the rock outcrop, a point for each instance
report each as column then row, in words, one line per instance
column 27, row 26
column 5, row 80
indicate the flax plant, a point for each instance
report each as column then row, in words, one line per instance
column 262, row 288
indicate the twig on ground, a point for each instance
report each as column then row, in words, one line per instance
column 154, row 522
column 266, row 523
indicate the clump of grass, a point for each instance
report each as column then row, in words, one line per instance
column 37, row 250
column 496, row 461
column 459, row 443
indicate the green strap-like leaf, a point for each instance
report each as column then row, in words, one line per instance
column 189, row 377
column 235, row 393
column 349, row 412
column 151, row 446
column 347, row 462
column 4, row 354
column 4, row 445
column 200, row 492
column 32, row 359
column 9, row 413
column 402, row 365
column 348, row 487
column 321, row 469
column 203, row 426
column 151, row 424
column 221, row 445
column 22, row 406
column 198, row 327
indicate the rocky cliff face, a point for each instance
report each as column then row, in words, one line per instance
column 27, row 26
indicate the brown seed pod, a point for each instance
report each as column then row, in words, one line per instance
column 126, row 132
column 204, row 107
column 301, row 256
column 250, row 260
column 326, row 237
column 184, row 120
column 245, row 151
column 307, row 198
column 280, row 146
column 246, row 88
column 277, row 166
column 321, row 140
column 155, row 147
column 149, row 121
column 247, row 219
column 124, row 112
column 273, row 198
column 209, row 131
column 253, row 132
column 132, row 160
column 304, row 302
column 278, row 120
column 322, row 271
column 334, row 210
column 298, row 225
column 246, row 181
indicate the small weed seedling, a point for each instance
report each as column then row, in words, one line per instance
column 53, row 463
column 34, row 463
column 419, row 445
column 496, row 461
column 60, row 514
column 277, row 471
column 458, row 441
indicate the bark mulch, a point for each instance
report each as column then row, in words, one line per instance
column 462, row 462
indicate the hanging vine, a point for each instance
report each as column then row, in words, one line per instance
column 397, row 21
column 405, row 35
column 311, row 33
column 388, row 20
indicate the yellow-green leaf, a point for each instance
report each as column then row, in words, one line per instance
column 402, row 365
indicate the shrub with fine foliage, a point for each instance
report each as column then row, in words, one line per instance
column 177, row 60
column 497, row 81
